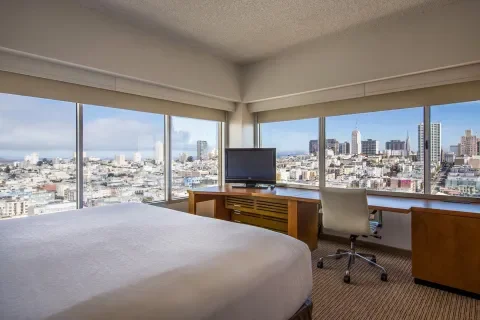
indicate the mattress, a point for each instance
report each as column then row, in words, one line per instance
column 136, row 261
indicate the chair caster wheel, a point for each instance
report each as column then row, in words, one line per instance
column 373, row 260
column 346, row 279
column 320, row 264
column 338, row 257
column 384, row 277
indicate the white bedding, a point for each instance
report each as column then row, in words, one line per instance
column 136, row 261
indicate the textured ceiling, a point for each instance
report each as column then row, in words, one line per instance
column 249, row 30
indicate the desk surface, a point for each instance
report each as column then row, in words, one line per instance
column 386, row 203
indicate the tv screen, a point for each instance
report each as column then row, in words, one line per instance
column 256, row 165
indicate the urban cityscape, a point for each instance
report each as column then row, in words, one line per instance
column 39, row 185
column 360, row 163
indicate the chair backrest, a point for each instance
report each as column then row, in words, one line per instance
column 345, row 210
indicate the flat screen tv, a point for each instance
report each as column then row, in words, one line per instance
column 251, row 166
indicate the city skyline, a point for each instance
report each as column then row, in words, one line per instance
column 382, row 126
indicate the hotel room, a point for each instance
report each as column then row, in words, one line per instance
column 222, row 159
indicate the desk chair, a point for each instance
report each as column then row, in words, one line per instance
column 346, row 211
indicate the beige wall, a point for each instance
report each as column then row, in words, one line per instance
column 65, row 31
column 445, row 37
column 240, row 127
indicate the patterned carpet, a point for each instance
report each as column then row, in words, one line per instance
column 367, row 297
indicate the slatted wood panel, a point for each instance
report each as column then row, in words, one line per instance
column 266, row 213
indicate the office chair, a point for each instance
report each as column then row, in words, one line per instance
column 346, row 211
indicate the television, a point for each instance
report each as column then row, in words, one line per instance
column 251, row 166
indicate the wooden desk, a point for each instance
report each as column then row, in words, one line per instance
column 445, row 235
column 280, row 210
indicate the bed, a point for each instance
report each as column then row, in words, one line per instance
column 136, row 261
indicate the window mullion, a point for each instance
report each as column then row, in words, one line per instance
column 79, row 155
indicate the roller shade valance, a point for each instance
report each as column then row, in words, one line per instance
column 461, row 92
column 14, row 83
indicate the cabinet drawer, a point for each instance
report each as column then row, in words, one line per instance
column 275, row 224
column 247, row 218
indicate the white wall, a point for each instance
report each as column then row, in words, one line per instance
column 240, row 127
column 66, row 32
column 445, row 37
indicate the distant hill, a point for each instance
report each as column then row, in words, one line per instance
column 290, row 153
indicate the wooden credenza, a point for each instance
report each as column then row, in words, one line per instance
column 278, row 210
column 446, row 248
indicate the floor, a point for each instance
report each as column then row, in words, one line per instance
column 367, row 297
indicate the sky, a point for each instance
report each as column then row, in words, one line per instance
column 48, row 127
column 294, row 136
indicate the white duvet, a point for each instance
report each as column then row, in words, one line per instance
column 135, row 261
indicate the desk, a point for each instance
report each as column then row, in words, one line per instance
column 445, row 235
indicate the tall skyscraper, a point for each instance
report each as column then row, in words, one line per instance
column 356, row 142
column 159, row 152
column 407, row 146
column 344, row 148
column 137, row 157
column 202, row 153
column 332, row 144
column 370, row 147
column 468, row 144
column 435, row 142
column 455, row 149
column 313, row 147
column 120, row 159
column 478, row 147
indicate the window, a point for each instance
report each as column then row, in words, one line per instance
column 455, row 165
column 37, row 144
column 123, row 156
column 194, row 154
column 297, row 149
column 377, row 151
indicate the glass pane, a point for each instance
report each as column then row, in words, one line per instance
column 297, row 149
column 123, row 152
column 377, row 150
column 456, row 171
column 194, row 155
column 37, row 169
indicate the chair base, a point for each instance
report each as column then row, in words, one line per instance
column 352, row 254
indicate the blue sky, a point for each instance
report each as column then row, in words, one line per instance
column 293, row 136
column 48, row 127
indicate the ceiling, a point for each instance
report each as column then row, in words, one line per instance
column 244, row 31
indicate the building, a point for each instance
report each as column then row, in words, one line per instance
column 435, row 142
column 202, row 150
column 137, row 157
column 313, row 147
column 468, row 144
column 344, row 148
column 332, row 144
column 159, row 152
column 478, row 147
column 356, row 142
column 120, row 159
column 449, row 157
column 11, row 208
column 395, row 145
column 370, row 147
column 455, row 149
column 213, row 154
column 31, row 158
column 407, row 146
column 183, row 157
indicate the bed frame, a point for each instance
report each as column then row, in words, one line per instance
column 305, row 311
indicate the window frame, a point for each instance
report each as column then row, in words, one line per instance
column 426, row 194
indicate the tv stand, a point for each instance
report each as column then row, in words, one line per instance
column 250, row 186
